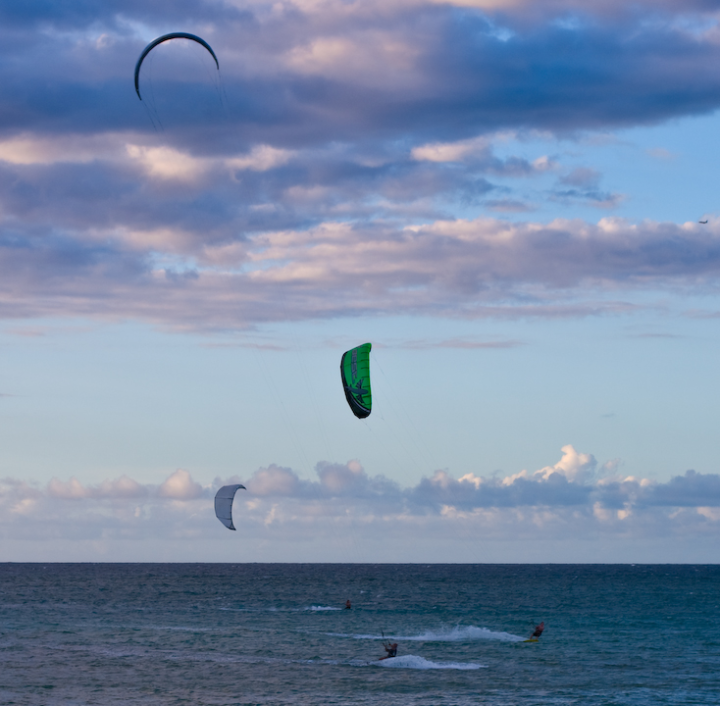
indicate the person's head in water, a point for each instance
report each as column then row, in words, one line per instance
column 347, row 604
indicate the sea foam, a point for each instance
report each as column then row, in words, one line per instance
column 416, row 662
column 459, row 633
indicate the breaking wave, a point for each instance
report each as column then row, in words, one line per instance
column 459, row 633
column 415, row 662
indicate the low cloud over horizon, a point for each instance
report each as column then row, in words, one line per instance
column 575, row 498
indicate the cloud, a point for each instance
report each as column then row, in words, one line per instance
column 69, row 490
column 471, row 268
column 261, row 158
column 458, row 343
column 180, row 486
column 167, row 163
column 471, row 492
column 690, row 490
column 574, row 466
column 318, row 176
column 508, row 206
column 342, row 480
column 43, row 149
column 478, row 152
column 274, row 481
column 306, row 74
column 119, row 488
column 573, row 498
column 582, row 177
column 451, row 152
column 584, row 187
column 661, row 153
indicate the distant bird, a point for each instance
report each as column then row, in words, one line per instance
column 703, row 222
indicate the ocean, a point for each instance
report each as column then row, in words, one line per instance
column 240, row 634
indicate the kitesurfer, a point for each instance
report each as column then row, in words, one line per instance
column 391, row 649
column 538, row 630
column 348, row 605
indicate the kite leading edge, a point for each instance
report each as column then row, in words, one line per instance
column 164, row 38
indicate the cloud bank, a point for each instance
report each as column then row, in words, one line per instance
column 319, row 174
column 460, row 268
column 577, row 498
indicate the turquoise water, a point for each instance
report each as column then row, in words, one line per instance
column 225, row 634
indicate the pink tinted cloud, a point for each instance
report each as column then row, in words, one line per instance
column 180, row 486
column 464, row 267
column 72, row 489
column 573, row 497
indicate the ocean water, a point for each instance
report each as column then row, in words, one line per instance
column 221, row 634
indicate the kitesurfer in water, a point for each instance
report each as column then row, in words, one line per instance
column 538, row 631
column 391, row 649
column 348, row 605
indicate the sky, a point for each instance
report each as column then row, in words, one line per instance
column 504, row 196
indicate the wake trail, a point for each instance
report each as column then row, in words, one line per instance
column 459, row 633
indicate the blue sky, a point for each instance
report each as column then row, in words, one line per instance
column 503, row 197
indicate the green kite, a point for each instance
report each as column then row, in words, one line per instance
column 355, row 374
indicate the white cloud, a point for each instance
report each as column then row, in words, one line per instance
column 545, row 164
column 573, row 465
column 73, row 489
column 338, row 478
column 711, row 513
column 68, row 490
column 470, row 268
column 322, row 55
column 559, row 502
column 483, row 4
column 371, row 57
column 123, row 487
column 450, row 151
column 168, row 163
column 180, row 486
column 261, row 158
column 526, row 9
column 273, row 480
column 27, row 148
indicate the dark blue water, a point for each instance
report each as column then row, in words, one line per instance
column 201, row 634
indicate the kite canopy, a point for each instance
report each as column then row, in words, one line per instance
column 355, row 373
column 223, row 504
column 164, row 38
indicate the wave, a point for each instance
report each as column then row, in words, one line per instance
column 459, row 633
column 404, row 662
column 462, row 633
column 274, row 609
column 415, row 662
